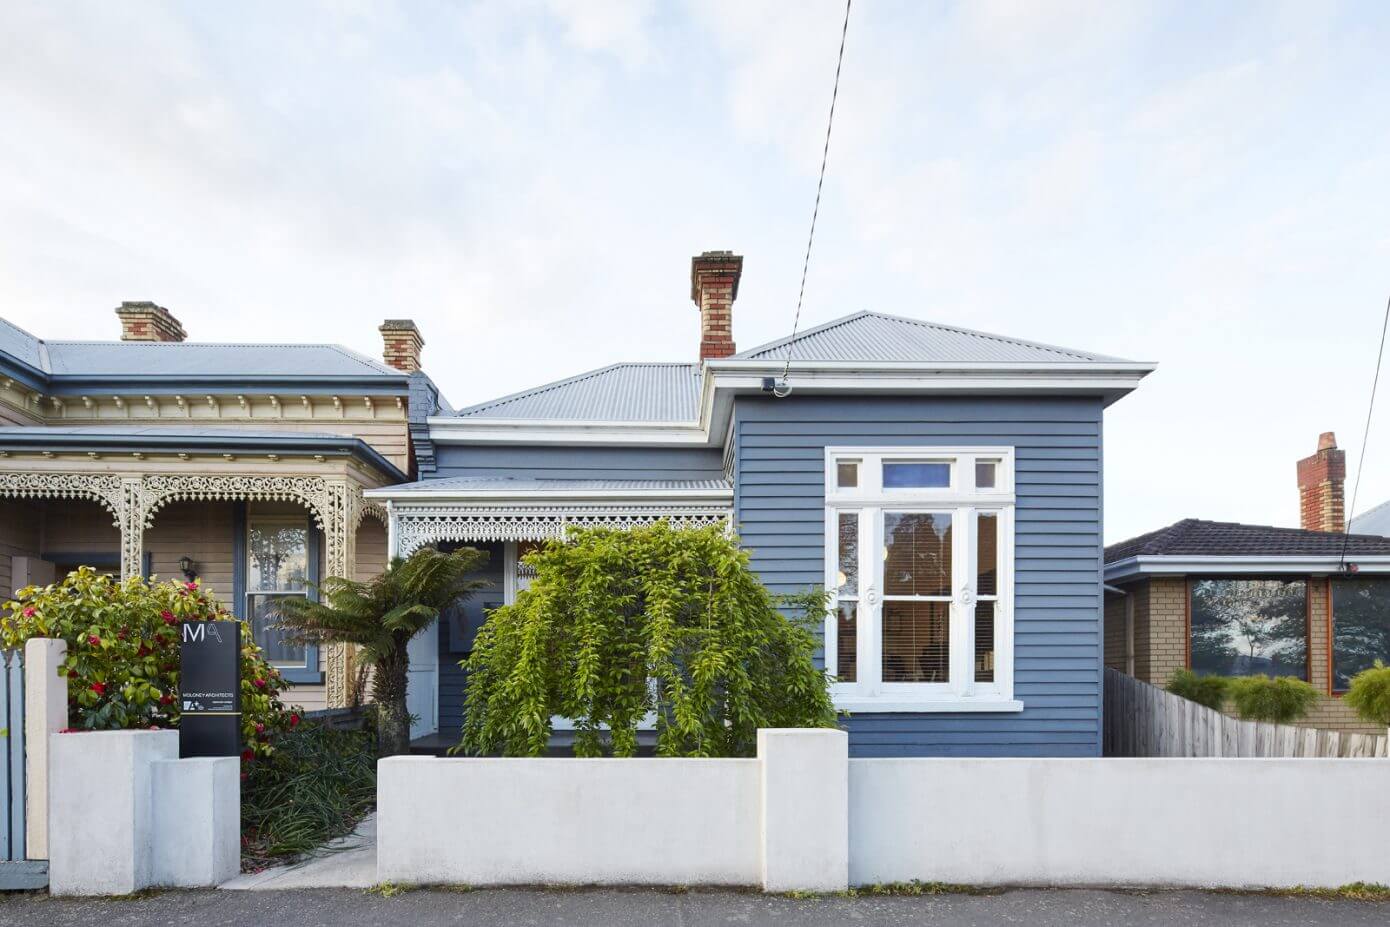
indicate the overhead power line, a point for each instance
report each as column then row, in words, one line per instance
column 783, row 389
column 1365, row 437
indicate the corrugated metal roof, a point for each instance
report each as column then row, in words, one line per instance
column 1373, row 521
column 19, row 344
column 874, row 336
column 620, row 393
column 192, row 359
column 465, row 484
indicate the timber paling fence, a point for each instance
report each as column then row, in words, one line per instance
column 1144, row 720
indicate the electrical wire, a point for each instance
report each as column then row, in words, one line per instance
column 783, row 389
column 1361, row 461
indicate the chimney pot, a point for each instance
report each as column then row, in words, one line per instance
column 402, row 343
column 145, row 321
column 1322, row 487
column 714, row 277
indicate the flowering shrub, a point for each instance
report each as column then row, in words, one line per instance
column 123, row 652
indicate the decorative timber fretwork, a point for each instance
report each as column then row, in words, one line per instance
column 336, row 505
column 417, row 527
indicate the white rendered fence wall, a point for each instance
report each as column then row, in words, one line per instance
column 1194, row 822
column 606, row 821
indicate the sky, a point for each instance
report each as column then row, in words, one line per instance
column 1200, row 185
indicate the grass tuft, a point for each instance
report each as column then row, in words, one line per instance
column 314, row 788
column 384, row 890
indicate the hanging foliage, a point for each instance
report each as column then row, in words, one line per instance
column 650, row 624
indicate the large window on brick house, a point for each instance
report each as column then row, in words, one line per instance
column 1360, row 627
column 919, row 557
column 1244, row 626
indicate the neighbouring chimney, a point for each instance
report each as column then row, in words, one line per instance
column 1321, row 487
column 144, row 321
column 403, row 344
column 714, row 278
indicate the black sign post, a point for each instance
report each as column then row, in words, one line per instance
column 210, row 689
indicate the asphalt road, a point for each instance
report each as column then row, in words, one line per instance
column 637, row 908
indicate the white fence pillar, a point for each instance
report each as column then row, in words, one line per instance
column 45, row 713
column 197, row 821
column 126, row 813
column 100, row 810
column 804, row 797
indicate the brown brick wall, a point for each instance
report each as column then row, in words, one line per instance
column 1166, row 626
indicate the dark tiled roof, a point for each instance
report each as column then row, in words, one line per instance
column 1193, row 537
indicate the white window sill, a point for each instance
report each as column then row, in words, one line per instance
column 858, row 704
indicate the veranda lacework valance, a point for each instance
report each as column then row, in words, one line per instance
column 417, row 527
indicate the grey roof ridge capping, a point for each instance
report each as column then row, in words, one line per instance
column 1070, row 353
column 173, row 439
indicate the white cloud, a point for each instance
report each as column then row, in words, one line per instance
column 1199, row 187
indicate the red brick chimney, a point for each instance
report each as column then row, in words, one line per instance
column 402, row 344
column 144, row 321
column 1321, row 487
column 714, row 278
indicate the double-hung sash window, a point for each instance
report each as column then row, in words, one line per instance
column 279, row 562
column 919, row 564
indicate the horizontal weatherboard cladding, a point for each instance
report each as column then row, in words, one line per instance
column 578, row 463
column 779, row 500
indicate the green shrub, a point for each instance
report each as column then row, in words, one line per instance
column 1204, row 690
column 1369, row 695
column 318, row 784
column 1282, row 699
column 617, row 624
column 122, row 664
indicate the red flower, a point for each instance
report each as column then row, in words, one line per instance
column 143, row 651
column 168, row 616
column 94, row 640
column 72, row 674
column 99, row 688
column 260, row 683
column 192, row 587
column 248, row 755
column 260, row 728
column 294, row 720
column 166, row 699
column 29, row 612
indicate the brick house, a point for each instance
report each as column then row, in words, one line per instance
column 241, row 464
column 1232, row 599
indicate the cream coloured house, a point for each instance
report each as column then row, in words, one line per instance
column 241, row 464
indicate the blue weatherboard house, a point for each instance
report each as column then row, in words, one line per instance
column 943, row 484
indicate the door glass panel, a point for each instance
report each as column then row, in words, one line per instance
column 916, row 641
column 847, row 578
column 917, row 553
column 986, row 474
column 916, row 474
column 987, row 554
column 984, row 641
column 847, row 474
column 847, row 641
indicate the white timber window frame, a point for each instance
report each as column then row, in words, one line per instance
column 864, row 506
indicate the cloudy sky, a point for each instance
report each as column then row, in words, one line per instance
column 1206, row 188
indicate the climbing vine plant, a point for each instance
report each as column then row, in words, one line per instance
column 654, row 624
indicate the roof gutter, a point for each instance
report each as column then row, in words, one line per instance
column 1240, row 565
column 399, row 495
column 43, row 439
column 726, row 377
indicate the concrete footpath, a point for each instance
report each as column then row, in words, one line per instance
column 636, row 908
column 349, row 862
